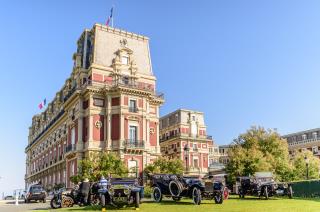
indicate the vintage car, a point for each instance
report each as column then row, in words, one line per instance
column 63, row 198
column 121, row 191
column 176, row 187
column 262, row 185
column 215, row 188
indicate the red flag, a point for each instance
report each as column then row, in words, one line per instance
column 40, row 106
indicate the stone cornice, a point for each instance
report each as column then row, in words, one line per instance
column 120, row 32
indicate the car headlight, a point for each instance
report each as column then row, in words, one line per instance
column 126, row 191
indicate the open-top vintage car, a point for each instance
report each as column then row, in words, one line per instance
column 176, row 187
column 262, row 185
column 122, row 191
column 215, row 189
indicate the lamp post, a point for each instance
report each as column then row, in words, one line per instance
column 186, row 155
column 307, row 166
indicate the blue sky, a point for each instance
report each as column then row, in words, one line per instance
column 242, row 63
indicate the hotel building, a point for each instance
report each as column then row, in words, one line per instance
column 183, row 135
column 304, row 140
column 109, row 103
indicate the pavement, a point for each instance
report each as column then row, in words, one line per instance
column 9, row 206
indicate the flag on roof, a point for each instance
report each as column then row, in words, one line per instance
column 110, row 17
column 42, row 104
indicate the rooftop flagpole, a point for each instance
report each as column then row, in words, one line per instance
column 112, row 15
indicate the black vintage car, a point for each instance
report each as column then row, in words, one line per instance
column 176, row 186
column 262, row 187
column 215, row 189
column 122, row 191
column 63, row 198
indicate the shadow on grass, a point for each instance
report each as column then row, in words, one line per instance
column 234, row 197
column 171, row 202
column 99, row 208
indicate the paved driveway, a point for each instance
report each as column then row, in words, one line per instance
column 9, row 206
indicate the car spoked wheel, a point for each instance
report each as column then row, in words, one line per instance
column 95, row 200
column 54, row 203
column 175, row 188
column 196, row 196
column 218, row 198
column 66, row 202
column 157, row 195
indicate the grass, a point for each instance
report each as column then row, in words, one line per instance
column 234, row 204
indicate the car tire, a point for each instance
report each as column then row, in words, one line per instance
column 218, row 198
column 137, row 200
column 157, row 194
column 67, row 202
column 175, row 188
column 196, row 196
column 54, row 204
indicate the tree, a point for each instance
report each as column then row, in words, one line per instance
column 165, row 166
column 259, row 150
column 300, row 166
column 99, row 164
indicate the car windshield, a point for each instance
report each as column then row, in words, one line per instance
column 36, row 189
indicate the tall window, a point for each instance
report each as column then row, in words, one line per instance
column 73, row 136
column 196, row 163
column 72, row 168
column 132, row 103
column 133, row 133
column 124, row 60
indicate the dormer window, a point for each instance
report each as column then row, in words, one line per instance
column 124, row 60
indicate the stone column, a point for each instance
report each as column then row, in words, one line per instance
column 108, row 122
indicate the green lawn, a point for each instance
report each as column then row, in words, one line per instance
column 233, row 204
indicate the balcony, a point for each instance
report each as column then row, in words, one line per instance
column 128, row 84
column 133, row 144
column 305, row 141
column 71, row 148
column 133, row 109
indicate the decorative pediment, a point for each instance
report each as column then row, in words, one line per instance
column 133, row 118
column 124, row 60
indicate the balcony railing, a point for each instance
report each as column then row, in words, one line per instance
column 47, row 127
column 133, row 144
column 186, row 135
column 133, row 109
column 292, row 143
column 71, row 148
column 128, row 84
